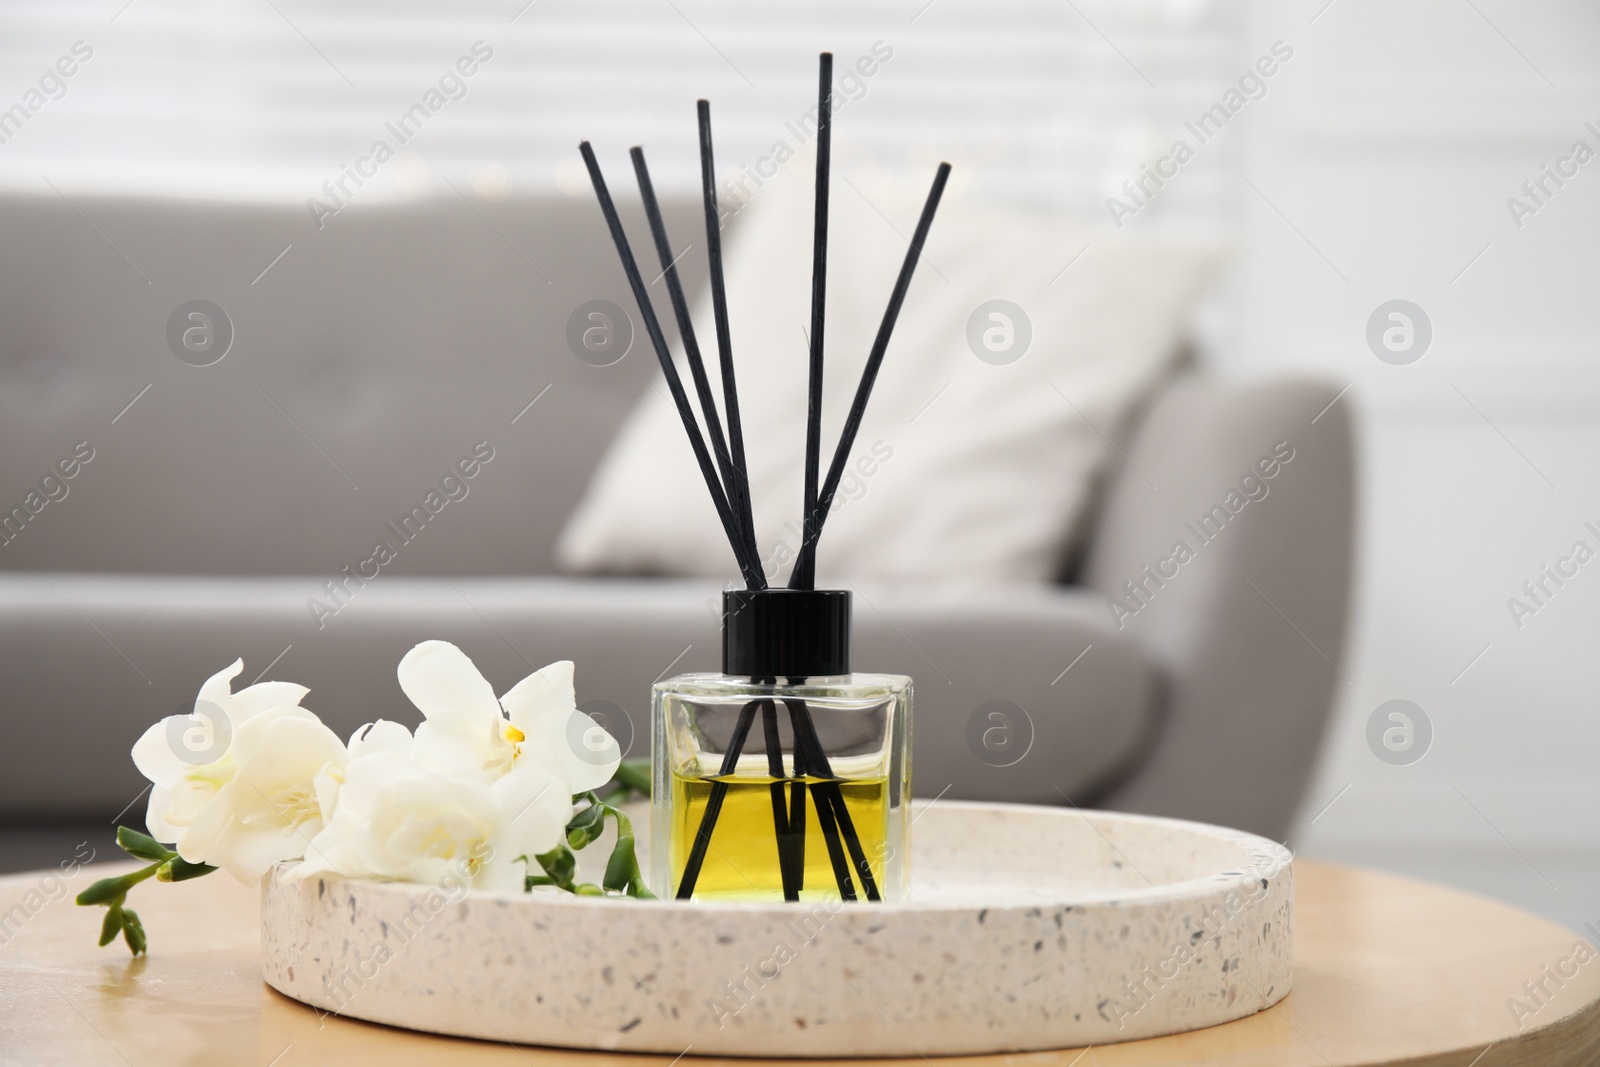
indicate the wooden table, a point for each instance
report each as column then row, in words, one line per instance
column 1387, row 971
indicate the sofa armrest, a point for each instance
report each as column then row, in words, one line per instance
column 1237, row 584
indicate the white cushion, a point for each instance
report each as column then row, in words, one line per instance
column 964, row 469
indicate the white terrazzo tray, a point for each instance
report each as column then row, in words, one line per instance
column 1029, row 928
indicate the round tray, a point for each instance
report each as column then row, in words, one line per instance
column 1029, row 928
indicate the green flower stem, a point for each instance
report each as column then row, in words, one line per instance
column 107, row 890
column 165, row 864
column 560, row 865
column 622, row 871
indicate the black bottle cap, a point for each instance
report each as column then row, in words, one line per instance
column 785, row 633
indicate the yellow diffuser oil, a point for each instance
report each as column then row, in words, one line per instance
column 787, row 777
column 746, row 864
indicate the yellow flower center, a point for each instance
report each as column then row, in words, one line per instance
column 516, row 737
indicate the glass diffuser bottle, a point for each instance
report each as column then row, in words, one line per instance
column 785, row 777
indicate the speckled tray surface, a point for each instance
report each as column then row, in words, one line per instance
column 1029, row 928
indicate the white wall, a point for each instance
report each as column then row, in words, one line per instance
column 1391, row 144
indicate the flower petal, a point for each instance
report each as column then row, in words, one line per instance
column 535, row 807
column 254, row 699
column 269, row 810
column 291, row 749
column 424, row 827
column 366, row 779
column 244, row 851
column 500, row 875
column 312, row 864
column 153, row 754
column 380, row 736
column 443, row 683
column 560, row 738
column 546, row 688
column 251, row 732
column 188, row 797
column 571, row 745
column 460, row 755
column 155, row 816
column 325, row 787
column 218, row 688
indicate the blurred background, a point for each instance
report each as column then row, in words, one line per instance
column 1396, row 153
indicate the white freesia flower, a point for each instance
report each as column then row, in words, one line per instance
column 268, row 811
column 399, row 820
column 374, row 737
column 484, row 782
column 251, row 778
column 233, row 784
column 536, row 725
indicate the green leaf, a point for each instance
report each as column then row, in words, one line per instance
column 578, row 840
column 113, row 892
column 112, row 926
column 105, row 891
column 588, row 824
column 589, row 815
column 561, row 865
column 133, row 932
column 142, row 845
column 588, row 889
column 181, row 870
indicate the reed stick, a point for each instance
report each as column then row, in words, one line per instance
column 740, row 490
column 731, row 493
column 858, row 855
column 691, row 349
column 719, row 793
column 831, row 812
column 830, row 834
column 781, row 822
column 827, row 793
column 805, row 563
column 748, row 564
column 797, row 817
column 803, row 575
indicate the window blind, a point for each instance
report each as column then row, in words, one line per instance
column 1053, row 103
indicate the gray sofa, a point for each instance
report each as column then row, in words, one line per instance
column 374, row 356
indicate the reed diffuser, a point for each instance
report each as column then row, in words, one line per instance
column 813, row 803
